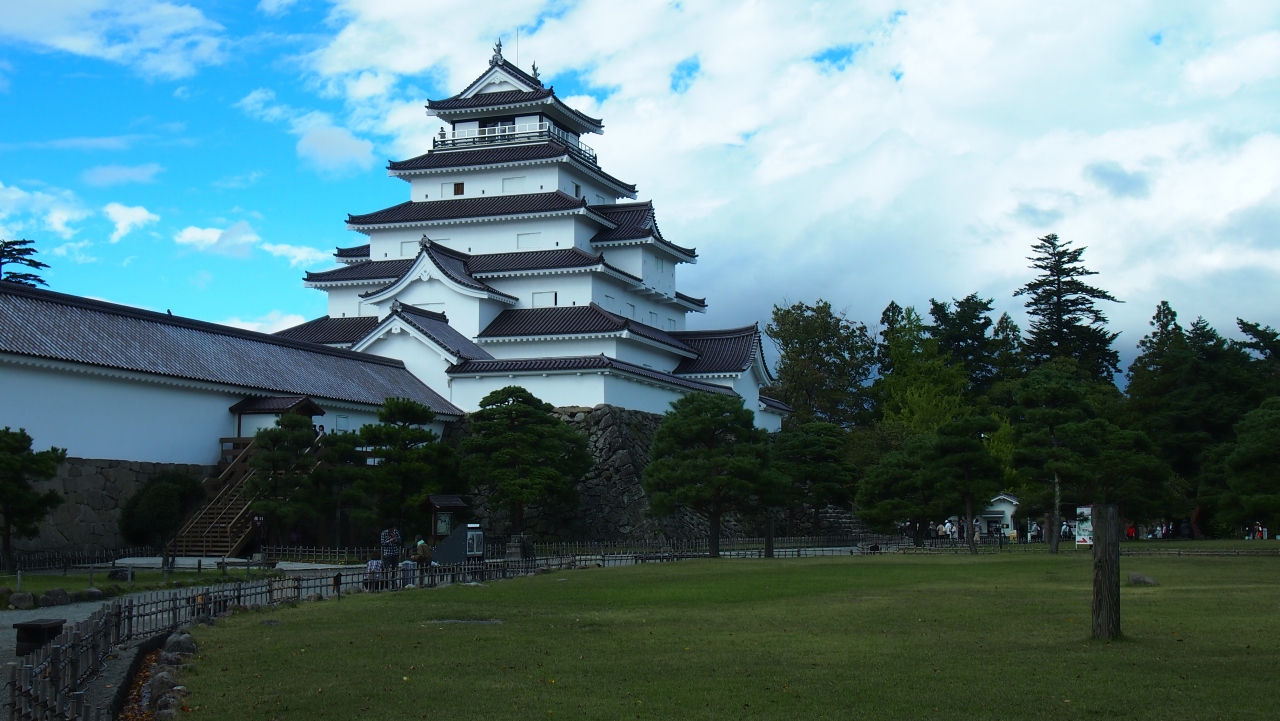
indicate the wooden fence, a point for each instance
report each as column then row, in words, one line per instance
column 321, row 554
column 53, row 560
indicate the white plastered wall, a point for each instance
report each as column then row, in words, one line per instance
column 345, row 301
column 552, row 348
column 493, row 236
column 558, row 390
column 95, row 415
column 422, row 360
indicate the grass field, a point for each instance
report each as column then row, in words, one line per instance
column 38, row 582
column 888, row 637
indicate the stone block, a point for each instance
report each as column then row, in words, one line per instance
column 45, row 601
column 59, row 596
column 22, row 601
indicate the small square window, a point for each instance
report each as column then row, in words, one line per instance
column 459, row 188
column 577, row 190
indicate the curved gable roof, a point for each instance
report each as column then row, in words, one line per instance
column 573, row 320
column 731, row 350
column 466, row 208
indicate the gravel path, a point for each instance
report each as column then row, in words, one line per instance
column 72, row 612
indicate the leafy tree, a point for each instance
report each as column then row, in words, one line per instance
column 20, row 253
column 1253, row 469
column 918, row 387
column 897, row 489
column 962, row 330
column 21, row 506
column 156, row 512
column 281, row 486
column 811, row 459
column 1065, row 319
column 411, row 463
column 963, row 468
column 529, row 455
column 826, row 362
column 708, row 456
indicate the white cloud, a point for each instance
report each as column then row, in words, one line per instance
column 298, row 255
column 156, row 39
column 324, row 146
column 275, row 7
column 235, row 240
column 108, row 175
column 270, row 323
column 75, row 252
column 126, row 218
column 239, row 181
column 24, row 212
column 1223, row 71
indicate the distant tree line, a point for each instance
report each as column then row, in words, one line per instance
column 934, row 416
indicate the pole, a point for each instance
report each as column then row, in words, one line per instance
column 1106, row 572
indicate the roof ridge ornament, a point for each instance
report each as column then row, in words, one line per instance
column 497, row 54
column 535, row 72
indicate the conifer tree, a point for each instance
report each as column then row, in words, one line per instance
column 411, row 463
column 1065, row 319
column 965, row 473
column 20, row 253
column 825, row 364
column 281, row 485
column 1252, row 492
column 518, row 446
column 811, row 459
column 918, row 386
column 21, row 506
column 896, row 489
column 157, row 511
column 709, row 456
column 962, row 330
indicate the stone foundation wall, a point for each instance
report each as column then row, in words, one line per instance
column 94, row 491
column 610, row 503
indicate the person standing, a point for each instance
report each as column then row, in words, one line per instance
column 392, row 546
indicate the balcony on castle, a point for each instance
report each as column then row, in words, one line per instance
column 513, row 134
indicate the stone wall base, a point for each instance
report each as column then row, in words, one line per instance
column 94, row 492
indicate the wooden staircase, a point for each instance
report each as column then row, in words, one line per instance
column 222, row 526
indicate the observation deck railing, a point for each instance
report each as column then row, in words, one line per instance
column 504, row 134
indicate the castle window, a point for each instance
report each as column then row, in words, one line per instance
column 577, row 190
column 459, row 188
column 631, row 310
column 544, row 300
column 513, row 185
column 528, row 240
column 610, row 302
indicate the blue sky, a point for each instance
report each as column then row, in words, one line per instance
column 200, row 156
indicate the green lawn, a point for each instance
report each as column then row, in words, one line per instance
column 887, row 637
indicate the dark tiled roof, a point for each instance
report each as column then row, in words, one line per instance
column 359, row 251
column 580, row 363
column 436, row 327
column 485, row 100
column 700, row 302
column 371, row 270
column 776, row 405
column 482, row 207
column 330, row 331
column 732, row 350
column 277, row 404
column 43, row 324
column 572, row 320
column 450, row 262
column 487, row 156
column 633, row 220
column 539, row 260
column 438, row 160
column 507, row 98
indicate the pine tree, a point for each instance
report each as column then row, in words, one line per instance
column 918, row 386
column 281, row 485
column 411, row 463
column 21, row 506
column 965, row 473
column 1065, row 319
column 1252, row 494
column 897, row 490
column 811, row 459
column 157, row 511
column 517, row 446
column 962, row 330
column 708, row 456
column 20, row 253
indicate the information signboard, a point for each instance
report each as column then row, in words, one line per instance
column 1084, row 526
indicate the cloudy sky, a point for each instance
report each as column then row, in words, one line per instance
column 198, row 157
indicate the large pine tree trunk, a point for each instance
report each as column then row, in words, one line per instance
column 1106, row 572
column 968, row 524
column 517, row 519
column 713, row 530
column 8, row 545
column 768, row 536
